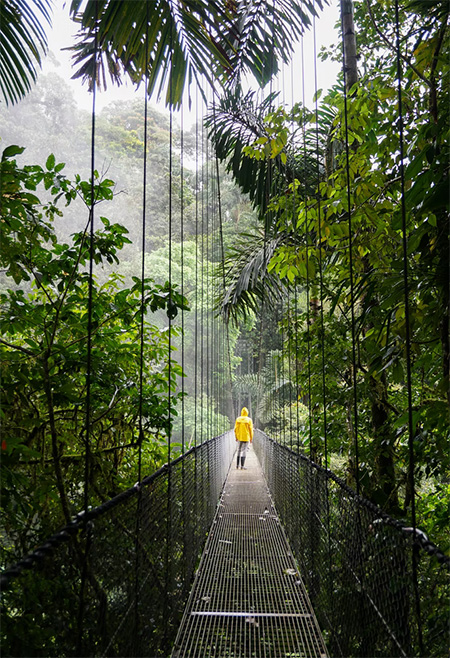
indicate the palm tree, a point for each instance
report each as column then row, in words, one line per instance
column 235, row 124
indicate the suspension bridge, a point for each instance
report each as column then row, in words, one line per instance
column 282, row 559
column 292, row 556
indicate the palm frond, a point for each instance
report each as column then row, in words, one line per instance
column 247, row 279
column 177, row 41
column 263, row 32
column 430, row 9
column 246, row 383
column 270, row 394
column 238, row 121
column 22, row 43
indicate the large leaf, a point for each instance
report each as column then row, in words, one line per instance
column 22, row 42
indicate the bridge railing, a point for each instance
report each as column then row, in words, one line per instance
column 115, row 583
column 357, row 563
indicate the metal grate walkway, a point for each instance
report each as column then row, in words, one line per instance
column 248, row 600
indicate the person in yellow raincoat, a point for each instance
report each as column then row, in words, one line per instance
column 243, row 431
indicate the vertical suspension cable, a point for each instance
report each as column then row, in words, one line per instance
column 319, row 227
column 208, row 275
column 87, row 431
column 215, row 334
column 202, row 277
column 411, row 455
column 169, row 370
column 143, row 238
column 185, row 511
column 91, row 279
column 322, row 326
column 225, row 327
column 282, row 375
column 308, row 308
column 289, row 290
column 294, row 211
column 182, row 274
column 295, row 308
column 169, row 365
column 141, row 339
column 263, row 294
column 350, row 256
column 210, row 297
column 285, row 412
column 196, row 352
column 196, row 276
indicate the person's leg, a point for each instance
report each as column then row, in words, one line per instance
column 239, row 444
column 244, row 453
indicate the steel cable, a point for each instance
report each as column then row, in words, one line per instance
column 411, row 454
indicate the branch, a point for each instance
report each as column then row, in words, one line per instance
column 74, row 458
column 392, row 47
column 438, row 46
column 19, row 347
column 69, row 282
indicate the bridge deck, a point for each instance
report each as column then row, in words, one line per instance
column 248, row 600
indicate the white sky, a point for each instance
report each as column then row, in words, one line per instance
column 64, row 30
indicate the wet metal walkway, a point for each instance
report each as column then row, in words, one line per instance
column 248, row 600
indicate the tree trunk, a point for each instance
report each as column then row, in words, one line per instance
column 443, row 246
column 384, row 473
column 55, row 451
column 349, row 39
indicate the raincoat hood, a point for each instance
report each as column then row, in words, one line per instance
column 244, row 411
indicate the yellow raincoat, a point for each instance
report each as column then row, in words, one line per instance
column 243, row 427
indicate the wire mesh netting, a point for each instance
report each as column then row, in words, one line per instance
column 115, row 584
column 248, row 600
column 357, row 563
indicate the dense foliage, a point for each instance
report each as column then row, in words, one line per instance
column 52, row 318
column 333, row 229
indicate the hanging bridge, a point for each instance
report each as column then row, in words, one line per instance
column 200, row 559
column 291, row 553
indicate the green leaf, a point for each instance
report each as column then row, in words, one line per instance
column 11, row 151
column 50, row 164
column 317, row 95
